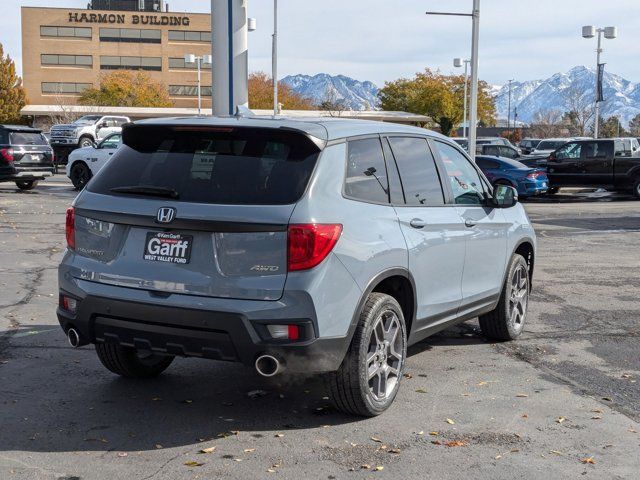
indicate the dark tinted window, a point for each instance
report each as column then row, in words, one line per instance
column 486, row 164
column 366, row 173
column 27, row 138
column 597, row 149
column 417, row 171
column 212, row 165
column 463, row 177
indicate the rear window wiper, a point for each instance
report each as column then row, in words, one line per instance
column 147, row 190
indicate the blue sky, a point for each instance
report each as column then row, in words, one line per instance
column 382, row 40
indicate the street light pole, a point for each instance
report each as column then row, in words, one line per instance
column 610, row 33
column 509, row 110
column 199, row 61
column 457, row 62
column 475, row 37
column 274, row 58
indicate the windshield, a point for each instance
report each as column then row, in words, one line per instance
column 550, row 144
column 87, row 120
column 27, row 138
column 223, row 165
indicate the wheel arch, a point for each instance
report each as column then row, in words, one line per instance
column 525, row 247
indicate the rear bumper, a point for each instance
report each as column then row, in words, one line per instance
column 193, row 332
column 527, row 188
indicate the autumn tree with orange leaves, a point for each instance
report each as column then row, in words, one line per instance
column 261, row 94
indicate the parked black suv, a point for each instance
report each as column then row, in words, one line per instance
column 25, row 156
column 595, row 163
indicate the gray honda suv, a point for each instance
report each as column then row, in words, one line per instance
column 314, row 245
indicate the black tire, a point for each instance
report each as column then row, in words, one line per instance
column 636, row 188
column 85, row 141
column 501, row 323
column 26, row 184
column 350, row 386
column 80, row 175
column 128, row 362
column 553, row 190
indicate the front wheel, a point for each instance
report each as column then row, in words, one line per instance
column 506, row 321
column 131, row 363
column 367, row 382
column 636, row 188
column 26, row 184
column 80, row 175
column 553, row 191
column 85, row 142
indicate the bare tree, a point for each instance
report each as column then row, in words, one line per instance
column 333, row 104
column 580, row 108
column 547, row 123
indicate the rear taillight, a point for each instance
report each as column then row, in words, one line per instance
column 7, row 154
column 70, row 228
column 534, row 175
column 309, row 244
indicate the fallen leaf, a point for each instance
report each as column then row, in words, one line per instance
column 588, row 460
column 271, row 470
column 207, row 450
column 556, row 452
column 524, row 415
column 450, row 422
column 193, row 463
column 408, row 375
column 632, row 430
column 365, row 466
column 279, row 435
column 482, row 383
column 158, row 446
column 627, row 375
column 436, row 442
column 607, row 399
column 560, row 419
column 597, row 410
column 455, row 443
column 376, row 439
column 237, row 459
column 394, row 450
column 421, row 390
column 122, row 454
column 596, row 417
column 187, row 401
column 433, row 434
column 514, row 450
column 249, row 450
column 379, row 468
column 522, row 395
column 421, row 432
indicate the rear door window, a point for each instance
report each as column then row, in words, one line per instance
column 418, row 171
column 597, row 149
column 223, row 165
column 366, row 177
column 27, row 138
column 463, row 177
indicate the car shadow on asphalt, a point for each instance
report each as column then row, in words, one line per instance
column 56, row 398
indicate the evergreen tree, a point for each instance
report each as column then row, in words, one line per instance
column 12, row 95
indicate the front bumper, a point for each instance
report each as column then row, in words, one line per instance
column 193, row 332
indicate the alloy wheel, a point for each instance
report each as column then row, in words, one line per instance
column 519, row 298
column 385, row 355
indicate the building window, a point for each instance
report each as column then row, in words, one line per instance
column 189, row 36
column 130, row 35
column 61, row 88
column 130, row 63
column 181, row 64
column 188, row 91
column 67, row 60
column 67, row 32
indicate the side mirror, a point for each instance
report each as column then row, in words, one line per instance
column 504, row 196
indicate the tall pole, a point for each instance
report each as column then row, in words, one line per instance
column 199, row 64
column 597, row 108
column 466, row 88
column 274, row 58
column 475, row 38
column 509, row 111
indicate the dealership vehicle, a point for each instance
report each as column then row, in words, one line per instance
column 482, row 141
column 84, row 132
column 504, row 171
column 495, row 150
column 25, row 156
column 545, row 147
column 85, row 162
column 528, row 144
column 602, row 163
column 324, row 245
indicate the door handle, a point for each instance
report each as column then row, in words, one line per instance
column 470, row 223
column 417, row 223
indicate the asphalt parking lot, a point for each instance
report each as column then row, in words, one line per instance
column 562, row 402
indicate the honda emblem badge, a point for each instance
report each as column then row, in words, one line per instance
column 166, row 215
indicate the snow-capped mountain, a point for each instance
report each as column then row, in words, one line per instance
column 353, row 94
column 622, row 97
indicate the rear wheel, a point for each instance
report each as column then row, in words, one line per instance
column 636, row 188
column 506, row 322
column 80, row 175
column 26, row 184
column 368, row 379
column 131, row 363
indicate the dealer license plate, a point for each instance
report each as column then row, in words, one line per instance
column 168, row 247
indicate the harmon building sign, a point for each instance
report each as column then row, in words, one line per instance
column 136, row 19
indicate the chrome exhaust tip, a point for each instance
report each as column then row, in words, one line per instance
column 73, row 337
column 268, row 365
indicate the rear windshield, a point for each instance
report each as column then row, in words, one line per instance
column 212, row 165
column 550, row 144
column 27, row 138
